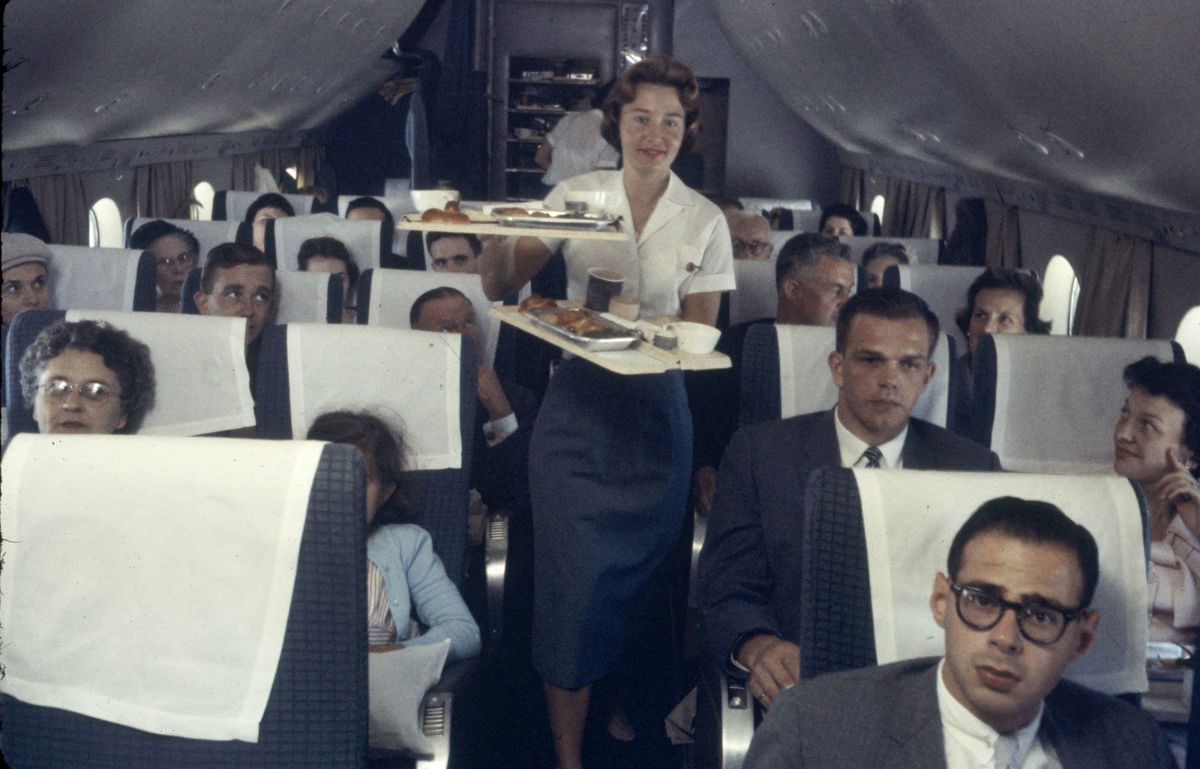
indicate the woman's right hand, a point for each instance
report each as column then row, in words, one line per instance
column 1181, row 490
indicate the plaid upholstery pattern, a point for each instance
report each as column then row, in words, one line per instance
column 316, row 717
column 21, row 333
column 760, row 376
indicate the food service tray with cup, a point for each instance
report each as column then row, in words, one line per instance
column 578, row 220
column 611, row 337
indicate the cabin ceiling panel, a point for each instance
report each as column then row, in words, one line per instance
column 1099, row 95
column 82, row 72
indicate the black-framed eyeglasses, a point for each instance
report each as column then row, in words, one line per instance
column 755, row 247
column 1039, row 622
column 58, row 389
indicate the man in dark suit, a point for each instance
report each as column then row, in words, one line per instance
column 1014, row 607
column 749, row 571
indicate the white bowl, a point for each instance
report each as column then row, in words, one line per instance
column 695, row 338
column 423, row 200
column 592, row 201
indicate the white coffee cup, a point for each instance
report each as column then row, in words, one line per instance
column 591, row 201
column 695, row 338
column 423, row 200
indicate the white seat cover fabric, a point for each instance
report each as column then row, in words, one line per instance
column 394, row 291
column 755, row 297
column 1057, row 399
column 910, row 518
column 83, row 278
column 920, row 250
column 360, row 237
column 806, row 383
column 202, row 384
column 169, row 562
column 237, row 202
column 398, row 205
column 944, row 289
column 1188, row 334
column 386, row 371
column 303, row 296
column 210, row 234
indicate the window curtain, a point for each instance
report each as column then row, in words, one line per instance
column 1114, row 297
column 308, row 162
column 65, row 205
column 853, row 186
column 914, row 210
column 1003, row 246
column 164, row 190
column 275, row 161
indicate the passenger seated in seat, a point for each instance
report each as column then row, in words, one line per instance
column 87, row 377
column 751, row 235
column 999, row 301
column 838, row 221
column 331, row 255
column 175, row 250
column 269, row 206
column 879, row 257
column 405, row 578
column 371, row 210
column 239, row 282
column 453, row 252
column 1156, row 442
column 26, row 282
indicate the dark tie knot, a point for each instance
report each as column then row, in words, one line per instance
column 873, row 455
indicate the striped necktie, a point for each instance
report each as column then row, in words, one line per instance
column 873, row 455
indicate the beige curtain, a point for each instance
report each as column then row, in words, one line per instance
column 308, row 162
column 1114, row 292
column 274, row 161
column 1003, row 247
column 66, row 207
column 164, row 190
column 853, row 187
column 913, row 210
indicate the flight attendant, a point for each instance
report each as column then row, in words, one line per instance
column 610, row 456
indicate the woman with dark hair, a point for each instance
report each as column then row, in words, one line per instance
column 999, row 301
column 87, row 377
column 175, row 251
column 880, row 256
column 331, row 255
column 614, row 452
column 1156, row 443
column 405, row 578
column 272, row 205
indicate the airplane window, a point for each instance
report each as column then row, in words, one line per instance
column 1061, row 295
column 202, row 193
column 291, row 171
column 1188, row 334
column 878, row 203
column 104, row 225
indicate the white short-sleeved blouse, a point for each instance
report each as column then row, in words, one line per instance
column 684, row 248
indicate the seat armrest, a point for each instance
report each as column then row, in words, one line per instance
column 495, row 563
column 737, row 721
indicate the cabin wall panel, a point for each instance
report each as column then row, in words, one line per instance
column 1044, row 236
column 771, row 152
column 1173, row 281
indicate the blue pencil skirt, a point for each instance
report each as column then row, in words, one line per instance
column 609, row 470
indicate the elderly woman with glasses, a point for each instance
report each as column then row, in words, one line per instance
column 87, row 377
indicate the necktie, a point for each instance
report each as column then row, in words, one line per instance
column 1005, row 752
column 873, row 455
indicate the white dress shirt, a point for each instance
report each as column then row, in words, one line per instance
column 852, row 447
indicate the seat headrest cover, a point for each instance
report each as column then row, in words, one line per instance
column 84, row 278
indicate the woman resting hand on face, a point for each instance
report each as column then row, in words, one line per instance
column 1156, row 442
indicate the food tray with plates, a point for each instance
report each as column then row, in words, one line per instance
column 546, row 218
column 584, row 327
column 545, row 227
column 638, row 358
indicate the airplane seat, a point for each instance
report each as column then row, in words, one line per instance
column 756, row 296
column 187, row 296
column 397, row 205
column 1187, row 336
column 202, row 384
column 943, row 287
column 83, row 278
column 304, row 297
column 778, row 238
column 425, row 384
column 231, row 205
column 785, row 373
column 365, row 240
column 873, row 541
column 1039, row 423
column 303, row 699
column 919, row 250
column 385, row 298
column 209, row 234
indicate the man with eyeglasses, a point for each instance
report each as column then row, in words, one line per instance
column 1015, row 608
column 751, row 235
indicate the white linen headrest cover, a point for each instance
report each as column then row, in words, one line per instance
column 202, row 384
column 147, row 580
column 909, row 537
column 303, row 296
column 756, row 296
column 83, row 278
column 412, row 374
column 360, row 236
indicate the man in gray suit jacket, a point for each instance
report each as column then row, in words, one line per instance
column 1014, row 608
column 749, row 571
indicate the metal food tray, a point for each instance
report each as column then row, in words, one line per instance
column 576, row 220
column 623, row 339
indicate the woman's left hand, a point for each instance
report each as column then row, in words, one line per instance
column 1182, row 491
